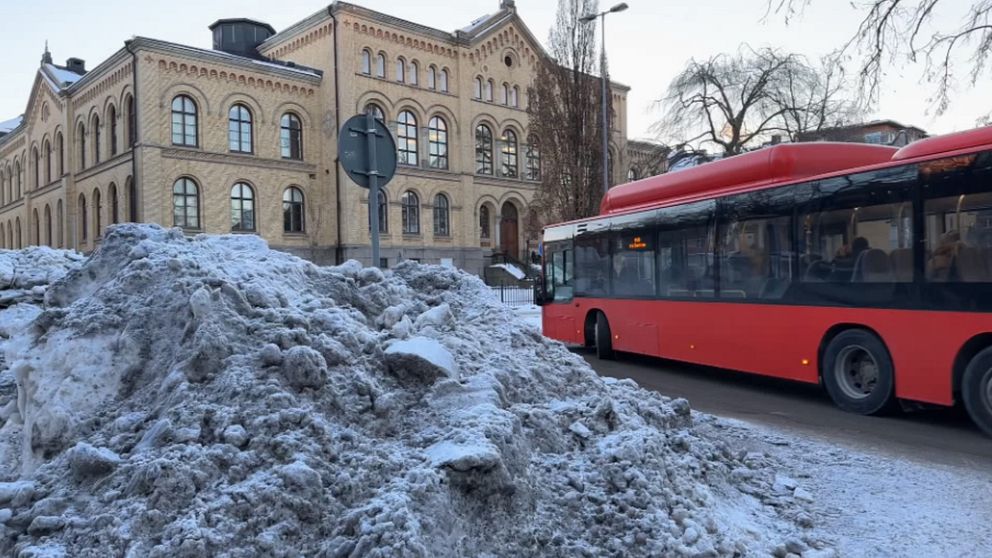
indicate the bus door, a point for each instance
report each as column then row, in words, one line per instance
column 559, row 322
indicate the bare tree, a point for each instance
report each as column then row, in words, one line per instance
column 565, row 114
column 736, row 101
column 813, row 98
column 893, row 29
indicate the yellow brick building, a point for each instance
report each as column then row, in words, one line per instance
column 243, row 138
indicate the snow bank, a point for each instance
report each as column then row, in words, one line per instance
column 210, row 397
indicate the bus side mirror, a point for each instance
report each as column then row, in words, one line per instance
column 540, row 295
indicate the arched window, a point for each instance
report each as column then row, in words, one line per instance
column 36, row 228
column 413, row 75
column 59, row 216
column 83, row 216
column 97, row 213
column 184, row 121
column 484, row 221
column 508, row 159
column 483, row 150
column 81, row 134
column 631, row 174
column 48, row 161
column 377, row 112
column 431, row 77
column 115, row 210
column 3, row 189
column 489, row 91
column 533, row 160
column 411, row 213
column 20, row 178
column 112, row 119
column 437, row 143
column 515, row 96
column 132, row 122
column 132, row 201
column 95, row 125
column 60, row 145
column 48, row 225
column 291, row 137
column 406, row 139
column 17, row 226
column 10, row 236
column 367, row 62
column 36, row 162
column 186, row 204
column 383, row 209
column 242, row 207
column 239, row 129
column 477, row 91
column 444, row 81
column 380, row 65
column 292, row 210
column 400, row 69
column 442, row 223
column 506, row 94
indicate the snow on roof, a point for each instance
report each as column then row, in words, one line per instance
column 8, row 126
column 62, row 76
column 512, row 270
column 234, row 57
column 476, row 23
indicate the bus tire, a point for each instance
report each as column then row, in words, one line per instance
column 604, row 338
column 976, row 390
column 858, row 373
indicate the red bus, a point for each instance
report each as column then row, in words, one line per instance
column 866, row 268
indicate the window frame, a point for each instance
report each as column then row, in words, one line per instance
column 237, row 124
column 186, row 222
column 484, row 145
column 189, row 121
column 509, row 155
column 238, row 202
column 294, row 211
column 407, row 153
column 442, row 215
column 410, row 204
column 437, row 143
column 287, row 134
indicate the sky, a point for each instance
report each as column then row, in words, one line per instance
column 647, row 45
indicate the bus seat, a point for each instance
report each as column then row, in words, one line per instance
column 902, row 264
column 970, row 265
column 872, row 266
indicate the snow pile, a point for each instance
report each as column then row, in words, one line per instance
column 214, row 398
column 26, row 274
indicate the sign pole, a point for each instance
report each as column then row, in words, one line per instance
column 373, row 188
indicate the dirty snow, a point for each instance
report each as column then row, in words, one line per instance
column 210, row 397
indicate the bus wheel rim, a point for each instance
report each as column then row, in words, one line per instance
column 857, row 372
column 988, row 390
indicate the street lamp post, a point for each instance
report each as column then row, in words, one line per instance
column 602, row 70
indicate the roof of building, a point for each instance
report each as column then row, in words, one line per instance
column 61, row 76
column 242, row 20
column 8, row 126
column 881, row 122
column 220, row 56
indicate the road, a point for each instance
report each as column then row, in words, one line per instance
column 943, row 436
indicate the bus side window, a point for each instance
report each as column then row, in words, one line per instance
column 562, row 278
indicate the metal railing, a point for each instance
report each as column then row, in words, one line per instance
column 514, row 296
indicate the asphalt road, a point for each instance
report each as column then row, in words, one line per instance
column 942, row 436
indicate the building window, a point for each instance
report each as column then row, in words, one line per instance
column 414, row 72
column 132, row 201
column 292, row 210
column 508, row 158
column 20, row 178
column 383, row 209
column 83, row 225
column 96, row 140
column 367, row 62
column 242, row 208
column 533, row 160
column 58, row 225
column 186, row 204
column 515, row 96
column 112, row 117
column 184, row 121
column 489, row 91
column 477, row 91
column 483, row 150
column 400, row 69
column 631, row 174
column 115, row 214
column 406, row 136
column 239, row 129
column 60, row 144
column 377, row 112
column 48, row 225
column 132, row 123
column 97, row 213
column 444, row 81
column 437, row 143
column 291, row 137
column 81, row 133
column 506, row 94
column 442, row 223
column 380, row 65
column 36, row 160
column 48, row 162
column 431, row 77
column 484, row 221
column 411, row 213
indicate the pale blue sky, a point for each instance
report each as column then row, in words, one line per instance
column 648, row 44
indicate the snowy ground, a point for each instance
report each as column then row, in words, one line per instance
column 530, row 314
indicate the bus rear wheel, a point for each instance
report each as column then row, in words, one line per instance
column 976, row 390
column 858, row 373
column 604, row 338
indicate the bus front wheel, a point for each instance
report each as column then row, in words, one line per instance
column 976, row 390
column 604, row 339
column 858, row 372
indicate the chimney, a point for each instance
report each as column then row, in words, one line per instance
column 76, row 66
column 508, row 5
column 776, row 139
column 240, row 36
